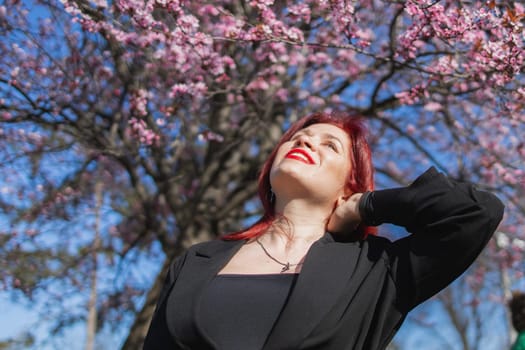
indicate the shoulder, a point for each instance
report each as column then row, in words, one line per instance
column 371, row 242
column 209, row 248
column 378, row 243
column 380, row 247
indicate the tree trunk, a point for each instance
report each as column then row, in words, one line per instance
column 92, row 305
column 139, row 329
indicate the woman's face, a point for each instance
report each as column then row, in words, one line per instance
column 313, row 163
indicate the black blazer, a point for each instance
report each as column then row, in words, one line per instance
column 349, row 295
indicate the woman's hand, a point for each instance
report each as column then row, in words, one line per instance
column 345, row 217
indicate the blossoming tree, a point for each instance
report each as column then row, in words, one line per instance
column 170, row 107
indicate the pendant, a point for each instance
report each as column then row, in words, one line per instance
column 286, row 267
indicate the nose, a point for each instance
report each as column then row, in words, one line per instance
column 305, row 141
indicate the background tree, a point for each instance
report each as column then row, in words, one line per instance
column 173, row 105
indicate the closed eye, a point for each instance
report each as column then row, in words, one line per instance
column 332, row 145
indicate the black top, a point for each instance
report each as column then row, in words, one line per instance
column 253, row 303
column 349, row 295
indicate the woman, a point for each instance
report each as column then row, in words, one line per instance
column 517, row 311
column 311, row 274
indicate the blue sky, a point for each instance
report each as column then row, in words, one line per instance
column 16, row 319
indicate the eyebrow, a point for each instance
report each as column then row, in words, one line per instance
column 324, row 135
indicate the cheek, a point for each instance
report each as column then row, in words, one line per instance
column 340, row 173
column 275, row 166
column 276, row 161
column 272, row 173
column 279, row 156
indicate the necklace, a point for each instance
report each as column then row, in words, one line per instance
column 286, row 266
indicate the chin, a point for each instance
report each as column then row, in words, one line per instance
column 287, row 174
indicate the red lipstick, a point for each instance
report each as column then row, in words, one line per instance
column 301, row 155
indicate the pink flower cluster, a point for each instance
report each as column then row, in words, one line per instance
column 413, row 95
column 491, row 44
column 139, row 102
column 300, row 12
column 188, row 53
column 144, row 134
column 194, row 90
column 300, row 50
column 343, row 16
column 209, row 135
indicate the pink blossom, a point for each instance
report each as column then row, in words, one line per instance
column 14, row 72
column 258, row 84
column 160, row 121
column 261, row 4
column 343, row 17
column 188, row 24
column 100, row 3
column 316, row 101
column 197, row 89
column 293, row 34
column 411, row 96
column 320, row 58
column 145, row 135
column 282, row 94
column 433, row 106
column 209, row 10
column 209, row 135
column 139, row 101
column 300, row 12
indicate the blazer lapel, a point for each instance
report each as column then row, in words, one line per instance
column 326, row 272
column 205, row 260
column 201, row 265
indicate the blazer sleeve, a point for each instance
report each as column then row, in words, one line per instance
column 158, row 336
column 450, row 223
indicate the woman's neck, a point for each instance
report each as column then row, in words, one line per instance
column 299, row 222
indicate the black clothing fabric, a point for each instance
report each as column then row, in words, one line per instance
column 254, row 303
column 349, row 295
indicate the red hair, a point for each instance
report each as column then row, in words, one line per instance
column 360, row 177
